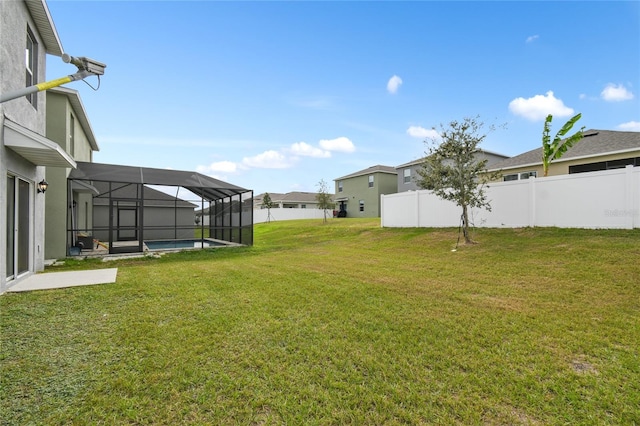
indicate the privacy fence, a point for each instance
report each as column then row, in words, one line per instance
column 605, row 199
column 274, row 215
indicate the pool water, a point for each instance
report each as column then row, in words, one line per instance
column 180, row 244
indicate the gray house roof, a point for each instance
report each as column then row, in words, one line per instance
column 594, row 143
column 421, row 160
column 371, row 170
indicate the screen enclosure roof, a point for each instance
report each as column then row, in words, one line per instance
column 204, row 186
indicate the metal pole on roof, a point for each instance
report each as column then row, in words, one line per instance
column 86, row 67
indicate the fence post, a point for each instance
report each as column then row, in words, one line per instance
column 629, row 209
column 532, row 201
column 417, row 197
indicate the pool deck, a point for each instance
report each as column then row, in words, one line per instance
column 55, row 280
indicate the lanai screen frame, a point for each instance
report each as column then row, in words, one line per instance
column 229, row 207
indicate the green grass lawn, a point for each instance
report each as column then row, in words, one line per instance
column 343, row 323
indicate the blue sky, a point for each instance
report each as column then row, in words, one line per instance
column 275, row 96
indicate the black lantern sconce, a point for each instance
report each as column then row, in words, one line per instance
column 42, row 186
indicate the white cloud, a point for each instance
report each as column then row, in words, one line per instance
column 268, row 160
column 341, row 144
column 394, row 84
column 305, row 150
column 282, row 159
column 539, row 106
column 616, row 93
column 532, row 38
column 220, row 166
column 630, row 126
column 422, row 133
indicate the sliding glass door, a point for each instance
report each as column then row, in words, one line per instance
column 18, row 226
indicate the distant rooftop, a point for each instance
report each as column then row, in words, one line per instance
column 594, row 143
column 289, row 197
column 421, row 160
column 371, row 170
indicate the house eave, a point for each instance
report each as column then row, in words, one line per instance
column 34, row 147
column 40, row 13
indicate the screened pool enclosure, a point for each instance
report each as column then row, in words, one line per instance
column 118, row 209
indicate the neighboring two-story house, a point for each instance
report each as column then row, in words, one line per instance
column 68, row 206
column 597, row 150
column 408, row 172
column 358, row 194
column 27, row 35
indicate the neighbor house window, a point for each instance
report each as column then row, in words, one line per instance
column 303, row 206
column 31, row 62
column 371, row 181
column 339, row 186
column 519, row 176
column 407, row 175
column 361, row 205
column 527, row 175
column 605, row 165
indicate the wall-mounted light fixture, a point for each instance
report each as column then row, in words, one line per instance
column 42, row 186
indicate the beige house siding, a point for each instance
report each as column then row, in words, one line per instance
column 596, row 146
column 61, row 116
column 561, row 167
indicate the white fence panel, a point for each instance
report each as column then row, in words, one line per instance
column 260, row 216
column 606, row 199
column 435, row 212
column 510, row 206
column 580, row 200
column 400, row 209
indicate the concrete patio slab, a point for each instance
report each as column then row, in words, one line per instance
column 53, row 280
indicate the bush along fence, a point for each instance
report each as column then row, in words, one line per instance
column 604, row 199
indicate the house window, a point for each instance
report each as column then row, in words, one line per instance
column 303, row 206
column 370, row 181
column 31, row 66
column 604, row 165
column 361, row 205
column 519, row 176
column 72, row 134
column 527, row 175
column 339, row 186
column 407, row 175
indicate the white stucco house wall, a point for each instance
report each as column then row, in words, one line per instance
column 27, row 36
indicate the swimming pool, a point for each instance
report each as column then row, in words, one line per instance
column 181, row 244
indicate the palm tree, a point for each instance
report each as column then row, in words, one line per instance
column 556, row 149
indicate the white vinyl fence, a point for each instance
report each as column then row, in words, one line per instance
column 606, row 199
column 260, row 216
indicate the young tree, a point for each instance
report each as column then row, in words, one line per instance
column 267, row 204
column 556, row 149
column 324, row 198
column 452, row 168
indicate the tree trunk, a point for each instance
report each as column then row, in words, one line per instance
column 465, row 226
